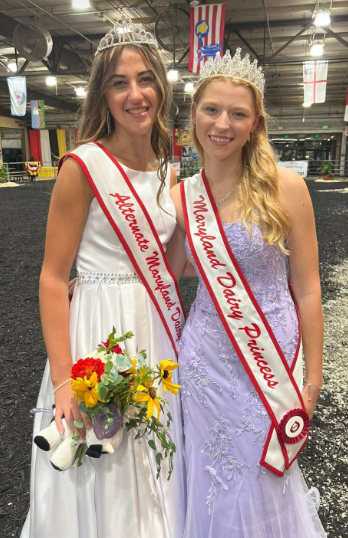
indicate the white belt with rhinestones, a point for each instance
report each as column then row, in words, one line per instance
column 86, row 277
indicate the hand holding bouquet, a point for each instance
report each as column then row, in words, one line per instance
column 118, row 391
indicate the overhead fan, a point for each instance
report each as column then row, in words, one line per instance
column 172, row 30
column 32, row 41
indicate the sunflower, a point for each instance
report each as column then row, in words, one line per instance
column 148, row 394
column 86, row 389
column 166, row 376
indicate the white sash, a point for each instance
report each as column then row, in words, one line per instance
column 247, row 327
column 134, row 228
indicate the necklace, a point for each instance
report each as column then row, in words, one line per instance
column 226, row 196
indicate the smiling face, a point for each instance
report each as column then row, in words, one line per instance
column 132, row 94
column 225, row 115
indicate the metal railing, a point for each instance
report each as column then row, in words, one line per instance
column 340, row 169
column 16, row 171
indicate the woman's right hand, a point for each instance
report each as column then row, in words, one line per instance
column 67, row 407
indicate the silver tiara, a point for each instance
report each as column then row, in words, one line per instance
column 125, row 32
column 234, row 67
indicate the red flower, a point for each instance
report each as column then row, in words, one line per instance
column 86, row 367
column 115, row 349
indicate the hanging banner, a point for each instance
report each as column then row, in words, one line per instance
column 346, row 111
column 207, row 27
column 314, row 81
column 18, row 94
column 37, row 114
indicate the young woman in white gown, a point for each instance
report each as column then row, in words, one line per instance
column 118, row 495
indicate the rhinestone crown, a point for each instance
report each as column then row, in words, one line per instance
column 234, row 67
column 125, row 32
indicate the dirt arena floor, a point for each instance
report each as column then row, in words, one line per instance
column 23, row 212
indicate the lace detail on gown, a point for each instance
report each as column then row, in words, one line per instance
column 230, row 494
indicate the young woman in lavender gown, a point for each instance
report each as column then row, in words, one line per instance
column 264, row 214
column 125, row 111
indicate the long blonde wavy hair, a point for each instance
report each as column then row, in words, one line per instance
column 93, row 124
column 258, row 190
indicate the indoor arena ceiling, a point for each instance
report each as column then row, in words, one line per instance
column 277, row 32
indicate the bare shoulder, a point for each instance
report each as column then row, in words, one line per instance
column 290, row 180
column 175, row 193
column 173, row 178
column 293, row 191
column 72, row 183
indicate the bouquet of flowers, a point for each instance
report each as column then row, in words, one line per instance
column 117, row 391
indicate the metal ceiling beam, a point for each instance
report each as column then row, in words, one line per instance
column 75, row 71
column 250, row 25
column 289, row 42
column 23, row 68
column 301, row 59
column 336, row 36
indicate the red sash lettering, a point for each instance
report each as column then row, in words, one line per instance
column 247, row 327
column 133, row 226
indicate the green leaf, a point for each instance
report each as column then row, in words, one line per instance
column 102, row 391
column 151, row 444
column 118, row 380
column 83, row 408
column 108, row 367
column 159, row 458
column 122, row 361
column 78, row 424
column 76, row 437
column 110, row 420
column 104, row 379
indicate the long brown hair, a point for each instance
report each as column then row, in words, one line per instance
column 258, row 190
column 93, row 124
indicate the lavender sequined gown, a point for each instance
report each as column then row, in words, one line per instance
column 229, row 494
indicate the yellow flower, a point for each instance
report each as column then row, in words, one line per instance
column 148, row 394
column 166, row 376
column 133, row 370
column 86, row 389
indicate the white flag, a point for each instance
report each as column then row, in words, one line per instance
column 346, row 111
column 18, row 95
column 314, row 81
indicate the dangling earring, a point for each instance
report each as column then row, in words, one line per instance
column 249, row 138
column 108, row 121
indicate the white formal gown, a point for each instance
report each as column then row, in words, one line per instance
column 117, row 496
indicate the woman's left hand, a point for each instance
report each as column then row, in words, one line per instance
column 310, row 392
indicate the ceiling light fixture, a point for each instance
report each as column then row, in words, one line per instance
column 80, row 4
column 12, row 66
column 51, row 81
column 173, row 75
column 80, row 91
column 306, row 105
column 189, row 87
column 194, row 3
column 317, row 49
column 322, row 17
